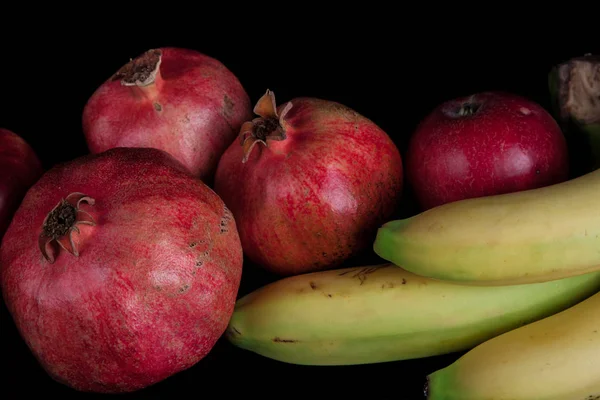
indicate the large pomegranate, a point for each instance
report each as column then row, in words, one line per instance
column 308, row 182
column 120, row 269
column 173, row 99
column 20, row 168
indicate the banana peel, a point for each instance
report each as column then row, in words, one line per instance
column 380, row 313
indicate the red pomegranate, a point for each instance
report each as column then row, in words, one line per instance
column 309, row 182
column 120, row 269
column 20, row 168
column 173, row 99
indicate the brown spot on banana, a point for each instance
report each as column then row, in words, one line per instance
column 280, row 340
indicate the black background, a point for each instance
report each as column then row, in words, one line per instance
column 386, row 71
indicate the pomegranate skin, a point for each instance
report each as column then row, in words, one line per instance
column 20, row 168
column 192, row 108
column 155, row 281
column 313, row 200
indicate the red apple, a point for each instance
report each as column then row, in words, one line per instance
column 485, row 144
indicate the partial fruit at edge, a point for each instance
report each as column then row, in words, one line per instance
column 575, row 90
column 556, row 358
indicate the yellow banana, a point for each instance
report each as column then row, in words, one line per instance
column 530, row 236
column 556, row 358
column 382, row 313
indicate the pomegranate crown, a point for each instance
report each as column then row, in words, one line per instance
column 269, row 125
column 61, row 222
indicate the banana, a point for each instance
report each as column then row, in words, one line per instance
column 382, row 313
column 521, row 237
column 556, row 358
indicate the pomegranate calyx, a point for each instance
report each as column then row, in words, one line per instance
column 140, row 71
column 269, row 126
column 61, row 222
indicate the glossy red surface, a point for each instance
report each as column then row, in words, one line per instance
column 508, row 144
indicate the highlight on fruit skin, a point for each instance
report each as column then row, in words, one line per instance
column 381, row 313
column 522, row 237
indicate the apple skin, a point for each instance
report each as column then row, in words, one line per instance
column 485, row 144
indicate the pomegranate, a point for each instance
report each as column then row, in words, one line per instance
column 308, row 182
column 120, row 269
column 173, row 99
column 20, row 168
column 484, row 144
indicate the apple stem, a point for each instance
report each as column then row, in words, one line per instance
column 468, row 109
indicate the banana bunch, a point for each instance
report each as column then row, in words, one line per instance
column 524, row 238
column 383, row 313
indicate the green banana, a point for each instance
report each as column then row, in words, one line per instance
column 575, row 92
column 382, row 313
column 529, row 236
column 556, row 358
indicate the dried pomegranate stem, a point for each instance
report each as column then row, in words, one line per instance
column 61, row 222
column 269, row 126
column 142, row 73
